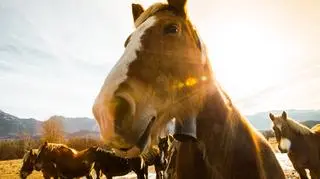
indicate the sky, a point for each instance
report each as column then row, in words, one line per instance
column 55, row 55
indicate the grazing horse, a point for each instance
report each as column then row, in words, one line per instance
column 111, row 165
column 69, row 162
column 164, row 145
column 164, row 73
column 301, row 144
column 158, row 155
column 169, row 172
column 49, row 170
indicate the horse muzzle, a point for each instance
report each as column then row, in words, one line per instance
column 123, row 126
column 38, row 166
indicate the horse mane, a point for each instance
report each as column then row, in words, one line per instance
column 107, row 151
column 149, row 12
column 297, row 127
column 26, row 156
column 60, row 147
column 316, row 128
column 150, row 154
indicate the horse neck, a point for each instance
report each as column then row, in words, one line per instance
column 218, row 123
column 215, row 111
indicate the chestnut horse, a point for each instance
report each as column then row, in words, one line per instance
column 301, row 144
column 69, row 162
column 164, row 73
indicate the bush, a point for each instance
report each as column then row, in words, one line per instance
column 82, row 143
column 15, row 148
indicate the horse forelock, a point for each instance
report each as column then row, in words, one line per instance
column 149, row 12
column 26, row 156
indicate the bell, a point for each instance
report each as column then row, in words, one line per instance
column 186, row 129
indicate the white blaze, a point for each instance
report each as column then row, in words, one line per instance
column 279, row 126
column 285, row 144
column 118, row 73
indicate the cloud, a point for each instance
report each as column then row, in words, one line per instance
column 54, row 55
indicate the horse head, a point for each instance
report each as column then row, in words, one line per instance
column 42, row 156
column 28, row 163
column 163, row 74
column 286, row 130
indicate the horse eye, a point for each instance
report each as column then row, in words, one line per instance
column 171, row 29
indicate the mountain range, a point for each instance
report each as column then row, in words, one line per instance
column 12, row 126
column 261, row 120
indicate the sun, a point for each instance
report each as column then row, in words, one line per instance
column 246, row 58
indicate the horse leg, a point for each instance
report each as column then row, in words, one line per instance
column 145, row 171
column 302, row 172
column 315, row 174
column 97, row 170
column 89, row 176
column 45, row 175
column 158, row 172
column 109, row 176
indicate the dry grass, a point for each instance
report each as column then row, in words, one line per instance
column 10, row 169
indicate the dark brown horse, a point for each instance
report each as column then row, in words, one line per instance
column 164, row 73
column 157, row 155
column 170, row 171
column 301, row 144
column 111, row 165
column 49, row 170
column 68, row 162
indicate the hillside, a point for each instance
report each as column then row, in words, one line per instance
column 12, row 126
column 262, row 122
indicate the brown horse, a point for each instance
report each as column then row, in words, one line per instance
column 170, row 170
column 163, row 74
column 111, row 165
column 158, row 155
column 301, row 144
column 49, row 170
column 69, row 162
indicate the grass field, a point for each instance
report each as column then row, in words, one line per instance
column 10, row 169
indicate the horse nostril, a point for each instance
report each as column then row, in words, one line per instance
column 122, row 111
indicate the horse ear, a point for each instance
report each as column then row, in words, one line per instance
column 284, row 115
column 137, row 10
column 31, row 151
column 271, row 116
column 178, row 4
